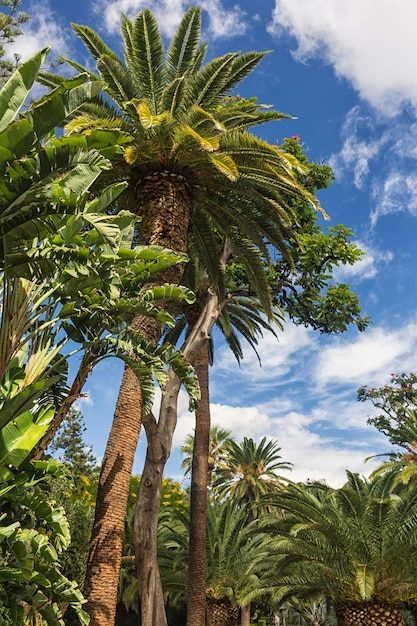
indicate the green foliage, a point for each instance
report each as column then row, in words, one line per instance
column 302, row 282
column 354, row 544
column 235, row 553
column 63, row 272
column 173, row 500
column 75, row 455
column 397, row 420
column 218, row 446
column 249, row 473
column 33, row 530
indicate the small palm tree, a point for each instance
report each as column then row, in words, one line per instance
column 356, row 545
column 219, row 440
column 235, row 557
column 251, row 474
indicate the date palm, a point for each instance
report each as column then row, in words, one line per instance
column 251, row 474
column 239, row 315
column 218, row 441
column 192, row 166
column 356, row 545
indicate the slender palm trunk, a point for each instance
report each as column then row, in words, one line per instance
column 245, row 615
column 196, row 586
column 165, row 205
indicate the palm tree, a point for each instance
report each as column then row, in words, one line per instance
column 192, row 166
column 251, row 475
column 218, row 442
column 356, row 545
column 235, row 557
column 239, row 314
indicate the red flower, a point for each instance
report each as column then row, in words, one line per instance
column 296, row 138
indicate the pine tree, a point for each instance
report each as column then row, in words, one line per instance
column 10, row 21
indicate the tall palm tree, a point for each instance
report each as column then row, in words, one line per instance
column 218, row 441
column 239, row 315
column 356, row 545
column 191, row 165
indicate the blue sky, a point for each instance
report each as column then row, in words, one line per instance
column 346, row 70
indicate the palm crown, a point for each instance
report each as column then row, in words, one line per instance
column 356, row 545
column 190, row 143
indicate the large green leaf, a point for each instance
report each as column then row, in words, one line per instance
column 19, row 437
column 24, row 400
column 14, row 93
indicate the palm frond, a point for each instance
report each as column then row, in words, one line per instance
column 93, row 42
column 119, row 82
column 184, row 47
column 147, row 53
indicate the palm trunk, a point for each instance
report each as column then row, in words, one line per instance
column 106, row 545
column 221, row 612
column 245, row 615
column 368, row 614
column 165, row 206
column 196, row 587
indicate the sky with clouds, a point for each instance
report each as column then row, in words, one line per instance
column 345, row 70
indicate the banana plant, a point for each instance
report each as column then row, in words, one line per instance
column 66, row 276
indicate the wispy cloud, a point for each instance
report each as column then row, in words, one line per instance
column 222, row 22
column 366, row 268
column 361, row 145
column 381, row 158
column 373, row 45
column 397, row 193
column 45, row 28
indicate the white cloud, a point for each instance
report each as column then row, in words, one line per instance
column 314, row 457
column 367, row 267
column 222, row 22
column 368, row 358
column 45, row 28
column 397, row 193
column 372, row 44
column 278, row 354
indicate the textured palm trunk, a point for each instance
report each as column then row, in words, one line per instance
column 106, row 544
column 196, row 587
column 165, row 205
column 221, row 612
column 368, row 614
